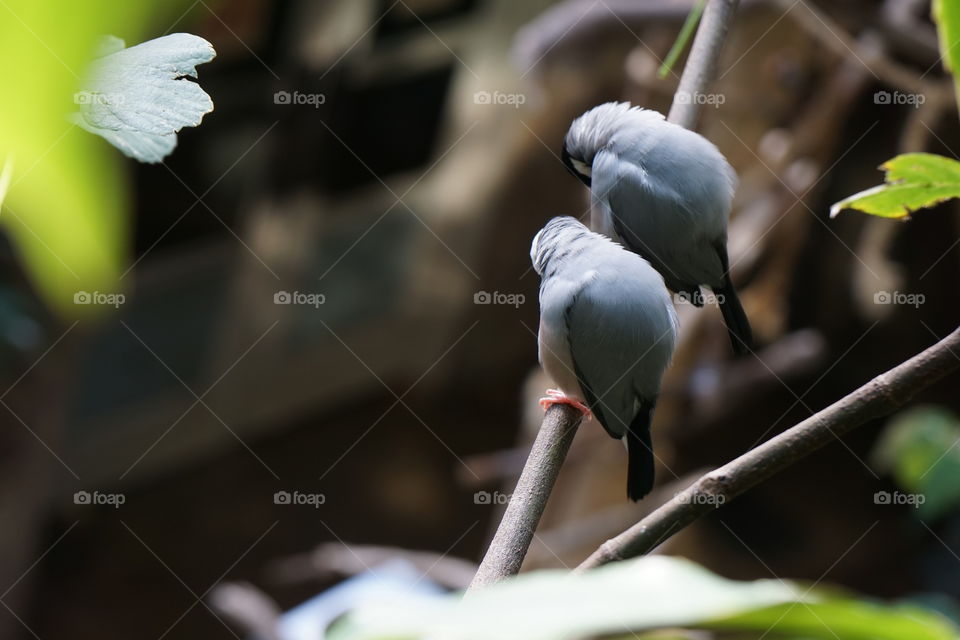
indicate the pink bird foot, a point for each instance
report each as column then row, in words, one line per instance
column 555, row 396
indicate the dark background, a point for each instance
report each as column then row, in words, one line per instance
column 401, row 197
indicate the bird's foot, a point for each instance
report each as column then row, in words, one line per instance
column 555, row 396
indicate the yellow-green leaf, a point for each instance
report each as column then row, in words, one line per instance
column 844, row 618
column 946, row 15
column 913, row 181
column 66, row 206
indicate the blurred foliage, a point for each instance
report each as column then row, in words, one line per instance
column 645, row 594
column 6, row 174
column 686, row 33
column 919, row 449
column 849, row 619
column 946, row 15
column 66, row 208
column 913, row 181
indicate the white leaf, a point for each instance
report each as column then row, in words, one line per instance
column 139, row 98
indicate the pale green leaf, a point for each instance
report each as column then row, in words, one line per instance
column 139, row 98
column 946, row 15
column 646, row 593
column 641, row 596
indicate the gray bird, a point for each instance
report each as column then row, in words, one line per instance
column 664, row 192
column 607, row 333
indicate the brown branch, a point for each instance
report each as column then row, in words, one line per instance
column 701, row 67
column 879, row 397
column 529, row 499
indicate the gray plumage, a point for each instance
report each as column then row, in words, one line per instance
column 607, row 333
column 664, row 192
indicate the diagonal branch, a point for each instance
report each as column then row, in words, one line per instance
column 529, row 499
column 879, row 397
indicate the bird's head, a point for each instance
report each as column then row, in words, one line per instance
column 594, row 131
column 555, row 240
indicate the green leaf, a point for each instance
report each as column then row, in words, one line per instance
column 686, row 32
column 919, row 447
column 913, row 181
column 139, row 98
column 946, row 15
column 645, row 594
column 844, row 618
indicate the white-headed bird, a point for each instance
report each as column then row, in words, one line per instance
column 607, row 333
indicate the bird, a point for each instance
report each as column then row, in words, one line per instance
column 607, row 334
column 665, row 193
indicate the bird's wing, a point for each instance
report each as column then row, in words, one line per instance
column 621, row 334
column 557, row 294
column 656, row 220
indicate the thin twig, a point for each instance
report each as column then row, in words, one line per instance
column 701, row 67
column 879, row 397
column 529, row 499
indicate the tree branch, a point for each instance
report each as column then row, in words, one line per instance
column 701, row 67
column 529, row 499
column 879, row 397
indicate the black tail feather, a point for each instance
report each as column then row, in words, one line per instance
column 738, row 326
column 640, row 468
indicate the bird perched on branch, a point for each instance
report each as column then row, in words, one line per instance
column 664, row 192
column 607, row 333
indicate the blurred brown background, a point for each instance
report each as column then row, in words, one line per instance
column 397, row 158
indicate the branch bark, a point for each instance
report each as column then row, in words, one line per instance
column 529, row 499
column 701, row 67
column 879, row 397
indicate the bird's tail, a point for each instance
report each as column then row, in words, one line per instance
column 640, row 454
column 738, row 326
